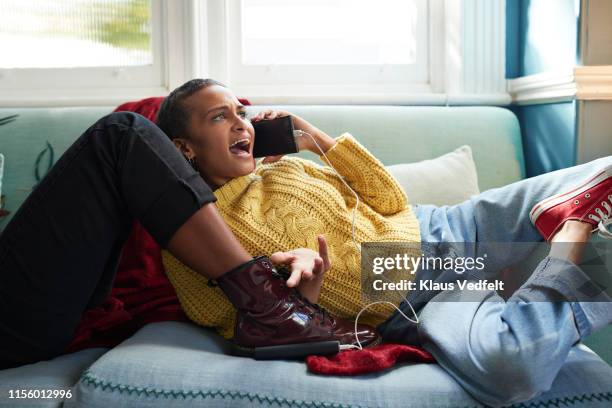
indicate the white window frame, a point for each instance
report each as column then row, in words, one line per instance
column 466, row 61
column 172, row 39
column 316, row 78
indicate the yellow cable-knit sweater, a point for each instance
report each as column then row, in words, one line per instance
column 285, row 205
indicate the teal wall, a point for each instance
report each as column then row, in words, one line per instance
column 514, row 38
column 542, row 36
column 549, row 35
column 549, row 136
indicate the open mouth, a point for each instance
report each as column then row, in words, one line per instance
column 241, row 147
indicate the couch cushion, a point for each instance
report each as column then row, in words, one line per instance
column 179, row 364
column 445, row 180
column 61, row 373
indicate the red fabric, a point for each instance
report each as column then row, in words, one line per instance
column 372, row 360
column 141, row 292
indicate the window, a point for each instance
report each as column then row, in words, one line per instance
column 331, row 32
column 75, row 33
column 357, row 51
column 63, row 45
column 306, row 46
column 104, row 52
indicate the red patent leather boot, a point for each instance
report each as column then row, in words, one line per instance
column 275, row 321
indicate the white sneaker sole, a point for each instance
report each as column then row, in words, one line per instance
column 550, row 202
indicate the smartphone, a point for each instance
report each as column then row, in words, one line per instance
column 274, row 137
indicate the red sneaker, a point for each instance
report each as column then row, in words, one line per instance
column 589, row 202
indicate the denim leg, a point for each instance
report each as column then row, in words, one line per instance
column 500, row 215
column 502, row 352
column 65, row 240
column 496, row 223
column 506, row 352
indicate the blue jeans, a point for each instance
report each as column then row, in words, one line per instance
column 502, row 351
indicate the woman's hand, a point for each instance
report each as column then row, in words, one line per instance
column 307, row 268
column 304, row 142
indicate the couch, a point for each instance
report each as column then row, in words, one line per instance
column 180, row 364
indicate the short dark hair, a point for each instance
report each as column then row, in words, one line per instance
column 173, row 115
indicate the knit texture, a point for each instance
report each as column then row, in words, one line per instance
column 368, row 360
column 285, row 205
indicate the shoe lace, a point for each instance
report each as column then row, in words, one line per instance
column 603, row 219
column 318, row 310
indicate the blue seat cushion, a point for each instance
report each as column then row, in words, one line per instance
column 61, row 373
column 172, row 364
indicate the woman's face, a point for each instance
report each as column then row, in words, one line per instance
column 221, row 136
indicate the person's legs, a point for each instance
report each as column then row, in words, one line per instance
column 495, row 223
column 67, row 237
column 506, row 352
column 500, row 215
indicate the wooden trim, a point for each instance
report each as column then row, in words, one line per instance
column 581, row 83
column 547, row 87
column 594, row 82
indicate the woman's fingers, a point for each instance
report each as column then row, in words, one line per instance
column 295, row 278
column 268, row 114
column 303, row 270
column 272, row 114
column 282, row 258
column 319, row 265
column 324, row 253
column 307, row 274
column 306, row 264
column 287, row 258
column 271, row 159
column 260, row 115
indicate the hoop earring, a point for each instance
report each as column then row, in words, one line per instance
column 192, row 162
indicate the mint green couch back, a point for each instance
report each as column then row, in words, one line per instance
column 395, row 134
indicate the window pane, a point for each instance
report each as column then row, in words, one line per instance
column 328, row 32
column 75, row 33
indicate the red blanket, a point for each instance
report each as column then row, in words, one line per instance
column 375, row 359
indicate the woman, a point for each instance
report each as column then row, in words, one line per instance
column 495, row 349
column 59, row 253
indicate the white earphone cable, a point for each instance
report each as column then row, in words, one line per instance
column 300, row 133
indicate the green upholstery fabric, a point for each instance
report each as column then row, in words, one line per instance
column 22, row 141
column 395, row 134
column 404, row 134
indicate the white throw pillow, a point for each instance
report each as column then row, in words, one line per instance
column 445, row 180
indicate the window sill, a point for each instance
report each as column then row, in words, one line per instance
column 431, row 99
column 113, row 97
column 14, row 98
